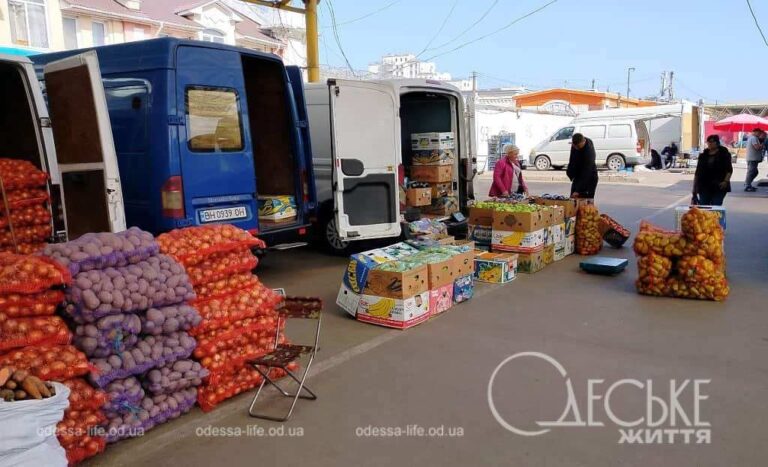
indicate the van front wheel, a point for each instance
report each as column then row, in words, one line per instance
column 542, row 163
column 615, row 162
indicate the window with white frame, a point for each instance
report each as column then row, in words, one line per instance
column 70, row 33
column 99, row 32
column 29, row 23
column 212, row 35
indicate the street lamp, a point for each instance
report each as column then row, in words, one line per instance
column 629, row 73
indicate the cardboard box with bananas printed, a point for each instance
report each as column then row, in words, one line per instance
column 530, row 263
column 394, row 313
column 360, row 265
column 434, row 157
column 433, row 140
column 504, row 240
column 348, row 300
column 496, row 268
column 277, row 208
column 441, row 299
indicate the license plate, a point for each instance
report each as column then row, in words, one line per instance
column 223, row 214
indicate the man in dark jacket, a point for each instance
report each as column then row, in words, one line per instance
column 582, row 170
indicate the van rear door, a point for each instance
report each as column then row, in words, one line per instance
column 366, row 152
column 306, row 166
column 85, row 151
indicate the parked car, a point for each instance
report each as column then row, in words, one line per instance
column 618, row 144
column 70, row 138
column 201, row 130
column 361, row 139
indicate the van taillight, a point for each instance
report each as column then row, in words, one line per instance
column 640, row 145
column 305, row 185
column 401, row 174
column 172, row 194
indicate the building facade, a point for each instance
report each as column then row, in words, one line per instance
column 34, row 26
column 406, row 66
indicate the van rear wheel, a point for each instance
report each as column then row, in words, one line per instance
column 333, row 243
column 615, row 162
column 542, row 163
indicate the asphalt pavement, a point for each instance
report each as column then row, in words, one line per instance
column 421, row 396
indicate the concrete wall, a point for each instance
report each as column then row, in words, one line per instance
column 529, row 128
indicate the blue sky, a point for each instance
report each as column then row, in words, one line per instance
column 707, row 43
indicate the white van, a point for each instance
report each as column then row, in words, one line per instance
column 618, row 144
column 360, row 135
column 73, row 143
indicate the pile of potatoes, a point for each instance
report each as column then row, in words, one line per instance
column 122, row 393
column 169, row 319
column 19, row 385
column 174, row 377
column 154, row 282
column 104, row 249
column 108, row 335
column 152, row 411
column 149, row 352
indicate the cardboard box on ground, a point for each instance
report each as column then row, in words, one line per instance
column 400, row 286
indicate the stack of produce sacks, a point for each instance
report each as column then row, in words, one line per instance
column 238, row 312
column 38, row 342
column 686, row 264
column 25, row 218
column 129, row 310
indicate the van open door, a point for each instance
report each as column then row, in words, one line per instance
column 85, row 151
column 366, row 153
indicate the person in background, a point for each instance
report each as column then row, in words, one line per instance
column 655, row 163
column 755, row 151
column 508, row 174
column 670, row 152
column 713, row 174
column 582, row 170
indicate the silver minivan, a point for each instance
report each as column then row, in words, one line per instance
column 619, row 143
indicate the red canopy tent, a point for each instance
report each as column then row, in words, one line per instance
column 741, row 122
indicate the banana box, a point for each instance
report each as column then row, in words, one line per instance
column 556, row 234
column 398, row 250
column 360, row 265
column 397, row 282
column 530, row 263
column 496, row 268
column 348, row 300
column 434, row 157
column 433, row 140
column 559, row 254
column 464, row 262
column 463, row 288
column 549, row 255
column 570, row 245
column 392, row 312
column 277, row 208
column 507, row 240
column 570, row 226
column 441, row 299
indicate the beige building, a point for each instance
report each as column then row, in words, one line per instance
column 52, row 25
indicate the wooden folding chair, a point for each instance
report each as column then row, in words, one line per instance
column 284, row 354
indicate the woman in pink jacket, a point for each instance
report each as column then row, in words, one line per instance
column 508, row 175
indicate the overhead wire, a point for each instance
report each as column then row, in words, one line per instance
column 369, row 14
column 757, row 23
column 329, row 6
column 471, row 26
column 440, row 29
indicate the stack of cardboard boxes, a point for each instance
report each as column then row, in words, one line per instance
column 434, row 163
column 565, row 242
column 403, row 285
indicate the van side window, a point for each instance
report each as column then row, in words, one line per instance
column 619, row 131
column 564, row 133
column 213, row 120
column 593, row 131
column 129, row 114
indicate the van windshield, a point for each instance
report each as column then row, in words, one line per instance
column 213, row 120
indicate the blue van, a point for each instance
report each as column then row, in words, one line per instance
column 203, row 131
